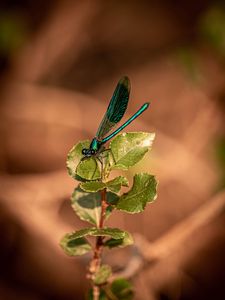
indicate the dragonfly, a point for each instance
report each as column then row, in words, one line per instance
column 114, row 113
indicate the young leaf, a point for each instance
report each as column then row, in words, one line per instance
column 102, row 275
column 113, row 185
column 74, row 156
column 88, row 206
column 88, row 169
column 129, row 148
column 142, row 192
column 125, row 241
column 75, row 247
column 122, row 289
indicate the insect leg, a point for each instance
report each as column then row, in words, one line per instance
column 100, row 163
column 109, row 150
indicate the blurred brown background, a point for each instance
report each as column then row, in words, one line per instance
column 59, row 64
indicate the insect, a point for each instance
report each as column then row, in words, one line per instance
column 114, row 113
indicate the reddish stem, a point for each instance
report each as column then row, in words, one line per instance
column 96, row 261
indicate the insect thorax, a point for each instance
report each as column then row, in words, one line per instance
column 95, row 144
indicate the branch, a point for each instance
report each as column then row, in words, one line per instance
column 55, row 44
column 171, row 241
column 96, row 260
column 181, row 232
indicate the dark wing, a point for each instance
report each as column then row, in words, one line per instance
column 116, row 108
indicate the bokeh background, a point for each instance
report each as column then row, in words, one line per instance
column 59, row 64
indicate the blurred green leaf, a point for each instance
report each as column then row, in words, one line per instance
column 12, row 33
column 122, row 289
column 119, row 289
column 142, row 192
column 88, row 206
column 129, row 148
column 187, row 57
column 211, row 28
column 102, row 275
column 75, row 247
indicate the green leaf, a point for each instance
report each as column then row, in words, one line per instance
column 125, row 241
column 88, row 169
column 122, row 289
column 74, row 156
column 92, row 186
column 102, row 275
column 75, row 247
column 142, row 192
column 114, row 233
column 88, row 206
column 113, row 185
column 112, row 199
column 129, row 148
column 79, row 167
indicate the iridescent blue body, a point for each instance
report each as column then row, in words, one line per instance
column 114, row 113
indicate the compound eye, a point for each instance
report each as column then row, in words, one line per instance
column 92, row 151
column 84, row 151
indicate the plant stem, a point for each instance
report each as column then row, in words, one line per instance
column 104, row 206
column 96, row 260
